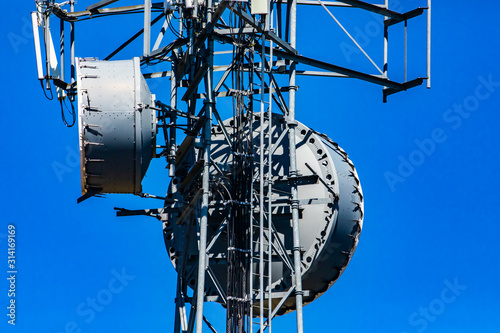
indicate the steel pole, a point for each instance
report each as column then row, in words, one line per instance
column 147, row 27
column 292, row 123
column 406, row 50
column 428, row 44
column 270, row 180
column 209, row 105
column 61, row 45
column 47, row 50
column 261, row 187
column 386, row 41
column 72, row 43
column 173, row 120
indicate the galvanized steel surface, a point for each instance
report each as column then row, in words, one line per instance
column 116, row 126
column 331, row 212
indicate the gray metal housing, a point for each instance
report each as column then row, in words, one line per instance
column 331, row 214
column 117, row 127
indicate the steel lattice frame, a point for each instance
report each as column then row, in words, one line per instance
column 260, row 52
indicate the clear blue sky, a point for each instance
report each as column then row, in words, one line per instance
column 428, row 258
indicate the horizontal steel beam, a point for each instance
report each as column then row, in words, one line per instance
column 235, row 31
column 172, row 111
column 115, row 10
column 336, row 69
column 377, row 79
column 64, row 85
column 405, row 86
column 315, row 3
column 320, row 73
column 156, row 75
column 147, row 212
column 323, row 65
column 406, row 16
column 374, row 8
column 276, row 295
column 254, row 91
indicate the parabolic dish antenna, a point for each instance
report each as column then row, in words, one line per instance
column 330, row 206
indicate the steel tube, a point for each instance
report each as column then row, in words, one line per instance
column 47, row 50
column 173, row 120
column 202, row 262
column 374, row 8
column 100, row 4
column 293, row 173
column 61, row 45
column 72, row 43
column 270, row 178
column 377, row 79
column 386, row 41
column 261, row 188
column 147, row 27
column 406, row 49
column 428, row 44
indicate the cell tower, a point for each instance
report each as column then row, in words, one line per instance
column 262, row 214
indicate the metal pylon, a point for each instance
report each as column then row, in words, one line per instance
column 189, row 61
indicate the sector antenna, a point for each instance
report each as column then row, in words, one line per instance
column 262, row 214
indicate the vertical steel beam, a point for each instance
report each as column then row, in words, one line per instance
column 292, row 123
column 177, row 320
column 181, row 321
column 61, row 45
column 251, row 274
column 251, row 218
column 72, row 43
column 270, row 178
column 173, row 121
column 207, row 132
column 406, row 50
column 261, row 187
column 386, row 41
column 428, row 44
column 202, row 259
column 147, row 28
column 47, row 49
column 181, row 25
column 195, row 9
